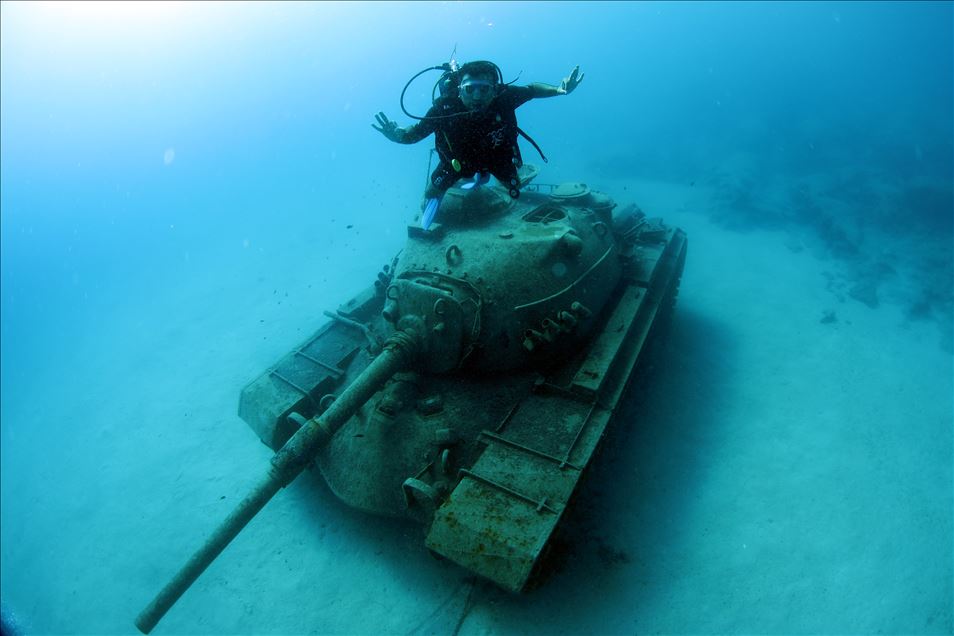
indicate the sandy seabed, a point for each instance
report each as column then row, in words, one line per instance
column 785, row 467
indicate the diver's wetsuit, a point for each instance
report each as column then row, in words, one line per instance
column 481, row 141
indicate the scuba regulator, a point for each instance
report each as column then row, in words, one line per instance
column 448, row 83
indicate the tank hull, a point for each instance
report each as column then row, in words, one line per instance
column 488, row 462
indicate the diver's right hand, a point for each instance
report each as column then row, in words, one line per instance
column 387, row 127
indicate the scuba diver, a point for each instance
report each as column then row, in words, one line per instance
column 475, row 127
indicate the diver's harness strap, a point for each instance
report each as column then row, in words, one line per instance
column 530, row 139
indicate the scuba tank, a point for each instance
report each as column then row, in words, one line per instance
column 446, row 84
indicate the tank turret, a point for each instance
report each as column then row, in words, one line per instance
column 526, row 279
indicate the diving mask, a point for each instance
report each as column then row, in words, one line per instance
column 477, row 88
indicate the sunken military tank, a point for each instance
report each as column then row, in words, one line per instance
column 468, row 388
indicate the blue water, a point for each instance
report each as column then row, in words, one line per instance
column 183, row 189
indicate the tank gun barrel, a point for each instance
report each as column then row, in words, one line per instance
column 286, row 465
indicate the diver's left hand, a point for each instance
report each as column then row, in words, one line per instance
column 569, row 84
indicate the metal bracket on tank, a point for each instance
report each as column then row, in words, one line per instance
column 541, row 504
column 374, row 345
column 562, row 463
